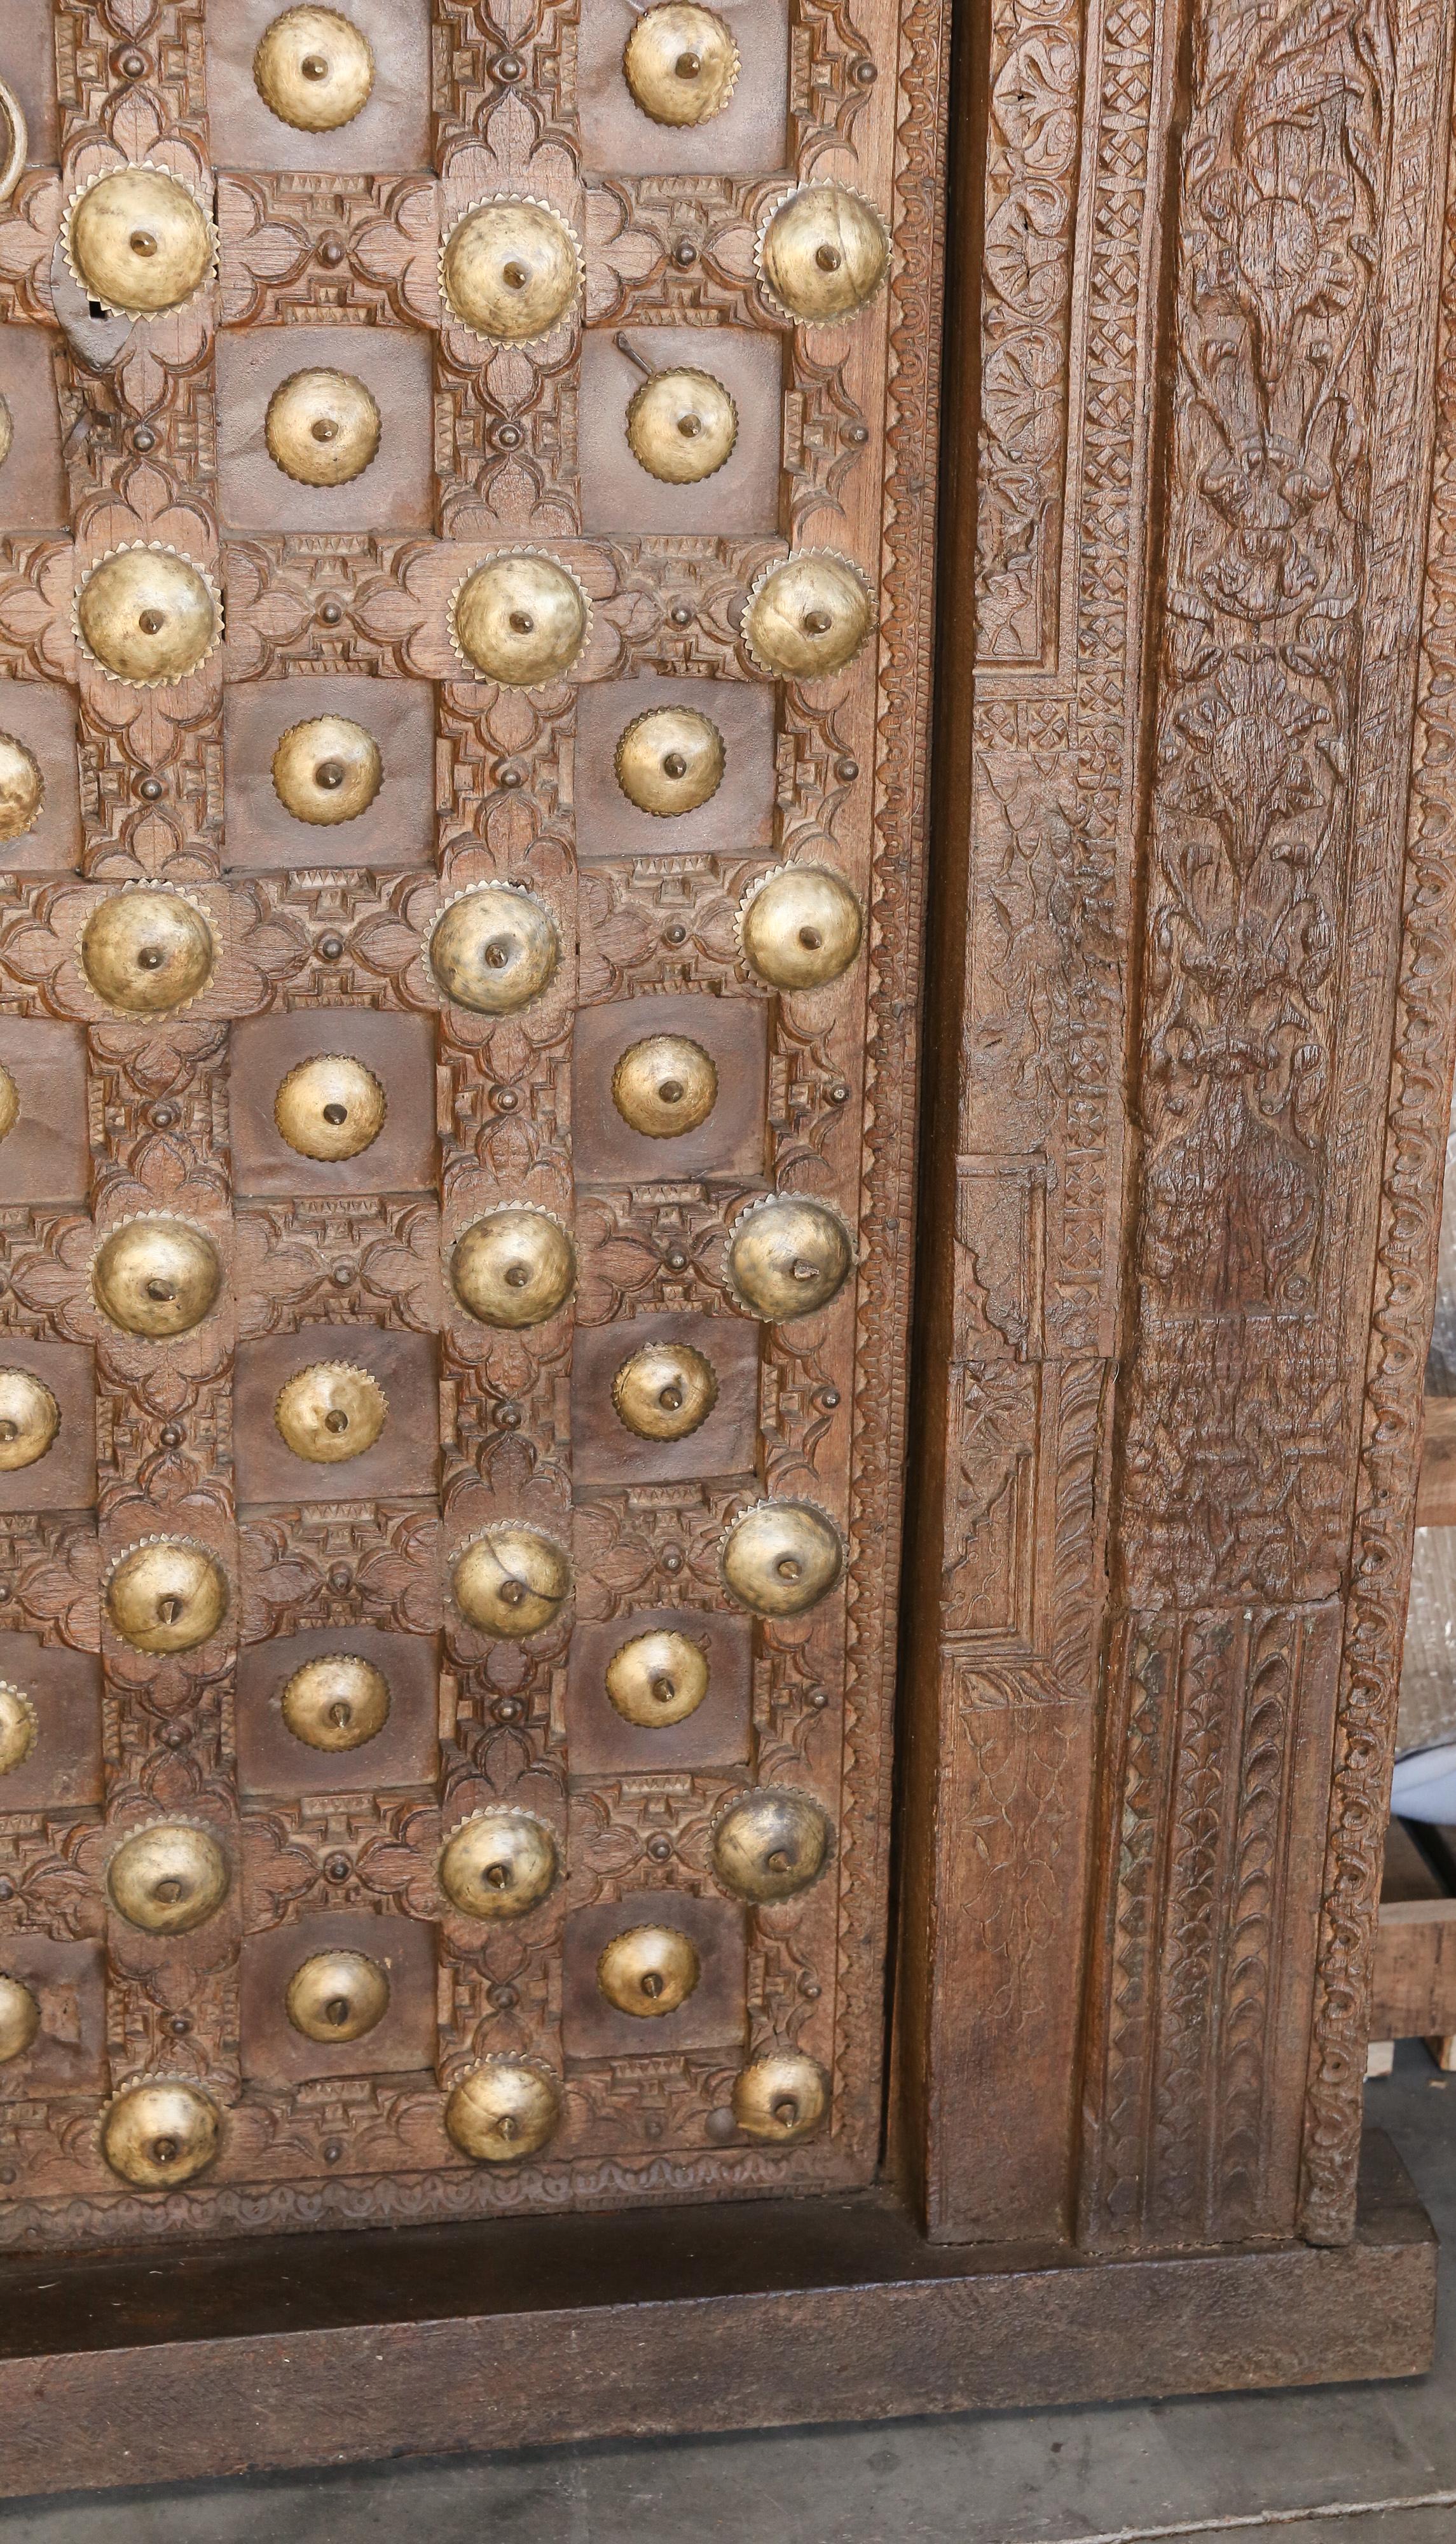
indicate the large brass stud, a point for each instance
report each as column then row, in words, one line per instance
column 336, row 1996
column 168, row 1879
column 147, row 615
column 156, row 1276
column 322, row 427
column 331, row 1411
column 669, row 760
column 20, row 2019
column 510, row 269
column 335, row 1702
column 502, row 2110
column 768, row 1844
column 161, row 2134
column 665, row 1085
column 801, row 929
column 822, row 253
column 657, row 1679
column 166, row 1596
column 514, row 1267
column 9, row 1102
column 500, row 1863
column 30, row 1419
column 788, row 1256
column 780, row 1558
column 680, row 63
column 138, row 240
column 326, row 770
column 22, row 788
column 495, row 949
column 510, row 1582
column 649, row 1970
column 19, row 1728
column 681, row 426
column 145, row 952
column 521, row 618
column 314, row 70
column 330, row 1107
column 780, row 2097
column 664, row 1391
column 809, row 616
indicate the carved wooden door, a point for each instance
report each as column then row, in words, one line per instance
column 463, row 646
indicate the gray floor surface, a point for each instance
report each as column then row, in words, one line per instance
column 1333, row 2466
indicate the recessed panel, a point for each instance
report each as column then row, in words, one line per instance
column 69, row 2053
column 729, row 1140
column 750, row 135
column 63, row 1768
column 405, row 1750
column 404, row 1459
column 392, row 129
column 64, row 1477
column 604, row 1449
column 600, row 1742
column 43, row 719
column 399, row 1053
column 713, row 2015
column 402, row 2040
column 396, row 829
column 619, row 496
column 739, row 818
column 396, row 491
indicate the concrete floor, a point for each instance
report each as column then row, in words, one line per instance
column 1334, row 2466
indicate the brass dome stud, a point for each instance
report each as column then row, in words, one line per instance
column 337, row 1996
column 138, row 240
column 823, row 253
column 500, row 1863
column 657, row 1679
column 326, row 770
column 322, row 427
column 30, row 1419
column 787, row 1257
column 669, row 760
column 493, row 949
column 513, row 1267
column 335, row 1702
column 664, row 1391
column 20, row 2019
column 681, row 426
column 780, row 2097
column 665, row 1085
column 22, row 788
column 161, row 2133
column 808, row 617
column 7, row 428
column 770, row 1845
column 314, row 70
column 680, row 63
column 166, row 1596
column 780, row 1558
column 649, row 1972
column 330, row 1108
column 511, row 1581
column 156, row 1276
column 147, row 616
column 521, row 618
column 331, row 1411
column 19, row 1728
column 801, row 929
column 503, row 2111
column 167, row 1881
column 9, row 1102
column 510, row 269
column 145, row 952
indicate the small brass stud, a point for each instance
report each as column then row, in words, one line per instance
column 166, row 1596
column 669, row 760
column 336, row 1701
column 22, row 788
column 664, row 1391
column 500, row 1863
column 513, row 1267
column 326, row 770
column 161, row 2133
column 20, row 2019
column 823, row 253
column 681, row 426
column 680, row 63
column 648, row 1970
column 657, row 1679
column 167, row 1881
column 495, row 949
column 781, row 1557
column 30, row 1419
column 808, row 617
column 156, row 1276
column 510, row 269
column 331, row 1411
column 511, row 1581
column 9, row 1102
column 7, row 431
column 801, row 929
column 665, row 1085
column 314, row 70
column 335, row 1997
column 780, row 2097
column 503, row 2111
column 330, row 1108
column 322, row 427
column 19, row 1728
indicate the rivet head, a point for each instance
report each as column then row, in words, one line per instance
column 665, row 1085
column 801, row 929
column 669, row 760
column 331, row 1107
column 326, row 770
column 513, row 1267
column 19, row 1728
column 501, row 1864
column 314, row 70
column 168, row 1881
column 681, row 426
column 808, row 617
column 770, row 1845
column 335, row 1702
column 331, row 1411
column 780, row 1558
column 156, row 1276
column 657, row 1679
column 322, row 427
column 139, row 241
column 780, row 2097
column 823, row 253
column 648, row 1970
column 510, row 269
column 520, row 619
column 9, row 1102
column 337, row 1996
column 166, row 1596
column 162, row 2134
column 30, row 1419
column 147, row 615
column 511, row 1581
column 22, row 788
column 502, row 2110
column 145, row 952
column 20, row 2019
column 787, row 1257
column 664, row 1391
column 495, row 949
column 680, row 63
